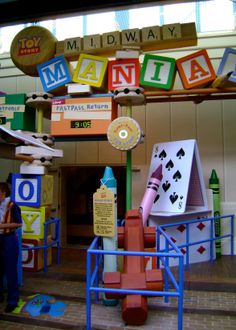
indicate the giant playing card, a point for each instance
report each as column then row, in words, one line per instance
column 182, row 187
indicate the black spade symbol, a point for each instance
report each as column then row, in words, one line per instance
column 173, row 197
column 169, row 165
column 162, row 154
column 166, row 186
column 180, row 153
column 156, row 199
column 177, row 176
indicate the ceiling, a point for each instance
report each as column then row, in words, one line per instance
column 22, row 11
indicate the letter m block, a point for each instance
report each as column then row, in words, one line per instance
column 54, row 73
column 158, row 71
column 32, row 190
column 195, row 70
column 123, row 73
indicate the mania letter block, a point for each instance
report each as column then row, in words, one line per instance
column 33, row 219
column 32, row 190
column 195, row 70
column 122, row 73
column 54, row 73
column 158, row 71
column 228, row 64
column 90, row 70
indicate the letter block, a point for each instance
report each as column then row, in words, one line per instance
column 195, row 70
column 122, row 73
column 90, row 70
column 32, row 260
column 54, row 73
column 158, row 71
column 33, row 219
column 32, row 190
column 228, row 64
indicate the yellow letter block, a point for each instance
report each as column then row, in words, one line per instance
column 90, row 70
column 33, row 219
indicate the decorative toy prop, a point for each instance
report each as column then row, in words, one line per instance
column 124, row 133
column 42, row 103
column 214, row 184
column 42, row 304
column 150, row 193
column 31, row 47
column 134, row 237
column 129, row 95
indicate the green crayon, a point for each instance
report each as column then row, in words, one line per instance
column 215, row 186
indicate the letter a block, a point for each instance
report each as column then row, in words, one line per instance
column 228, row 64
column 33, row 219
column 158, row 71
column 54, row 73
column 90, row 70
column 122, row 73
column 32, row 190
column 195, row 70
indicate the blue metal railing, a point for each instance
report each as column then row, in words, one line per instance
column 55, row 241
column 163, row 256
column 92, row 283
column 210, row 239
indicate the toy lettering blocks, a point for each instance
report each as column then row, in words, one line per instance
column 32, row 190
column 228, row 64
column 15, row 114
column 33, row 221
column 90, row 70
column 122, row 73
column 158, row 71
column 85, row 116
column 32, row 260
column 195, row 70
column 54, row 73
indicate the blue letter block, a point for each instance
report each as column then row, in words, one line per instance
column 54, row 73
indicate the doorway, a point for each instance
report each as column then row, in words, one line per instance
column 78, row 184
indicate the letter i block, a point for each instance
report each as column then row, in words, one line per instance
column 32, row 190
column 90, row 70
column 123, row 73
column 33, row 219
column 54, row 73
column 195, row 70
column 158, row 71
column 228, row 64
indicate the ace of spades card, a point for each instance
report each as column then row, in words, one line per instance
column 182, row 188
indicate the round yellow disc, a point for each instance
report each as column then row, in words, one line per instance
column 124, row 133
column 31, row 47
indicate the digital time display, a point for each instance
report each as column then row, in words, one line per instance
column 80, row 124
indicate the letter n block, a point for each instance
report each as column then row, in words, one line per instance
column 54, row 73
column 90, row 70
column 158, row 71
column 32, row 190
column 123, row 73
column 195, row 70
column 33, row 219
column 228, row 64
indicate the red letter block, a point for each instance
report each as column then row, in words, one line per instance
column 123, row 73
column 195, row 70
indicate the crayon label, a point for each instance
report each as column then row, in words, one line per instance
column 104, row 212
